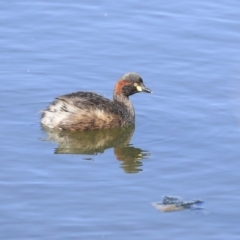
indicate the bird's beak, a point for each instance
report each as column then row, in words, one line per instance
column 145, row 89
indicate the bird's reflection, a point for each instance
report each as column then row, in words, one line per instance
column 94, row 142
column 131, row 158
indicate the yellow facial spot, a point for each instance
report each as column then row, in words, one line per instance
column 138, row 87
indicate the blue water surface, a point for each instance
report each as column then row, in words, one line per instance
column 187, row 134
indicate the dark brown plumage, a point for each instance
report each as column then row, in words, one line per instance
column 89, row 111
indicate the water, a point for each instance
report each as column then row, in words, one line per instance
column 185, row 142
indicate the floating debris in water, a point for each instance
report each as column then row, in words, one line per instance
column 171, row 203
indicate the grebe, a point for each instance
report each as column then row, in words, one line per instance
column 90, row 111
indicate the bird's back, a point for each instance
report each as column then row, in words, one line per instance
column 83, row 111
